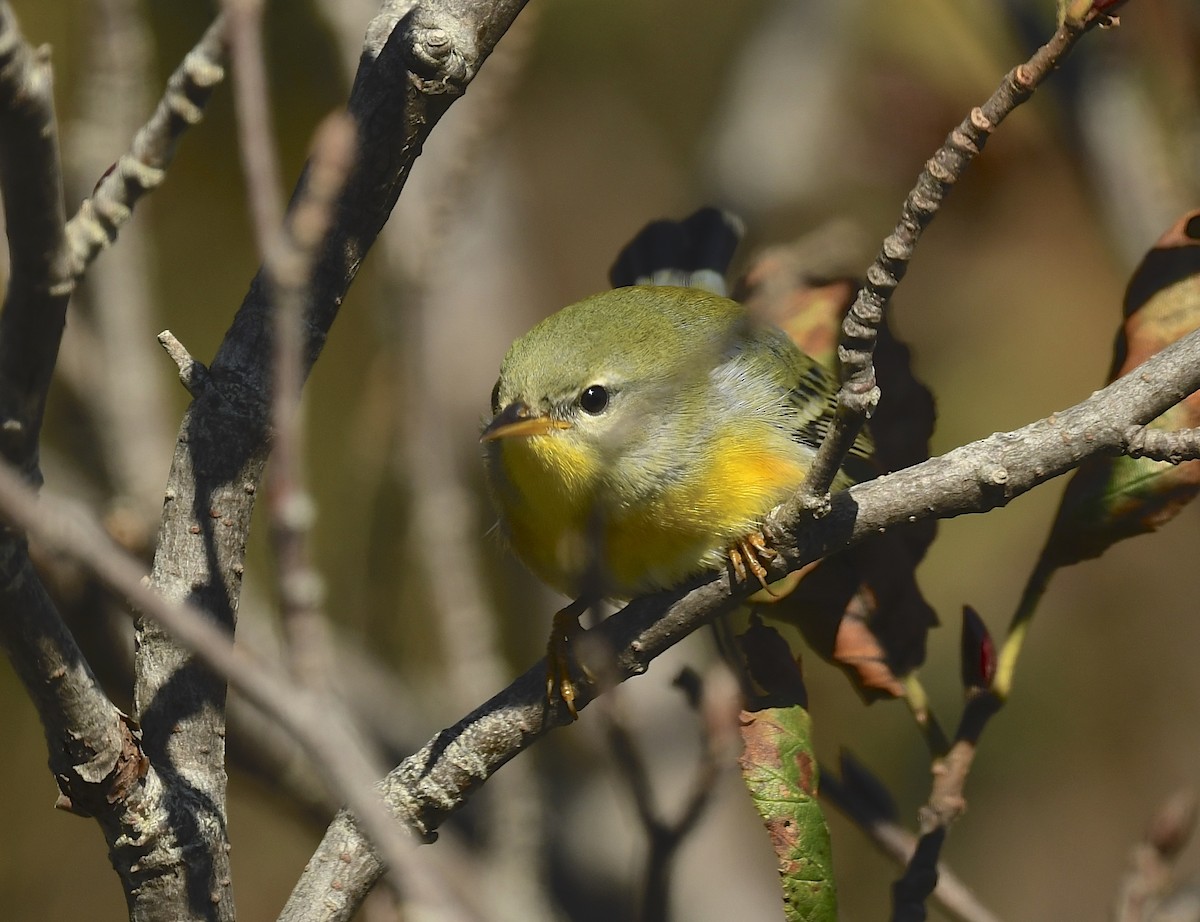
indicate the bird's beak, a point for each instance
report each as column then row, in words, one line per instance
column 516, row 420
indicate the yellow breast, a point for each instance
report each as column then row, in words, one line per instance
column 568, row 519
column 746, row 470
column 543, row 486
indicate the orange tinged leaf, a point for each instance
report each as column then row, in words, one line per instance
column 1110, row 499
column 861, row 609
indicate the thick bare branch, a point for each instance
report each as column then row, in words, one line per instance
column 154, row 825
column 1160, row 445
column 321, row 729
column 84, row 732
column 90, row 745
column 40, row 284
column 414, row 64
column 94, row 749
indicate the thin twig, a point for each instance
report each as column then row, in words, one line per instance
column 251, row 95
column 143, row 169
column 289, row 266
column 859, row 393
column 117, row 365
column 899, row 844
column 719, row 706
column 192, row 373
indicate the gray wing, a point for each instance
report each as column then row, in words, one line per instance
column 811, row 393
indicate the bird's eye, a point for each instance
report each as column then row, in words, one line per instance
column 594, row 399
column 496, row 398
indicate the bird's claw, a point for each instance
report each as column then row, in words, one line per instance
column 560, row 686
column 748, row 552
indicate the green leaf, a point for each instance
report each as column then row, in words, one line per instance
column 779, row 769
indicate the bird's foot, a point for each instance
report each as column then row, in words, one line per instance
column 564, row 631
column 748, row 553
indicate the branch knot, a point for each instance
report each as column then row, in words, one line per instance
column 440, row 55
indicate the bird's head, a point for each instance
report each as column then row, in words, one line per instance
column 595, row 374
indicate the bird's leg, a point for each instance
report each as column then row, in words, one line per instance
column 748, row 552
column 564, row 630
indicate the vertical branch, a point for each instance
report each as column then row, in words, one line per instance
column 83, row 732
column 288, row 263
column 94, row 751
column 40, row 283
column 288, row 267
column 288, row 255
column 251, row 95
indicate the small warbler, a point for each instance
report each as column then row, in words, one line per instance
column 640, row 436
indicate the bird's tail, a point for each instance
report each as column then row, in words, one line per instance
column 692, row 253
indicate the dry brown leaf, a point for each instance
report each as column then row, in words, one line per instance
column 1110, row 499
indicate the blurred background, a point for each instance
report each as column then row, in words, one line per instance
column 590, row 120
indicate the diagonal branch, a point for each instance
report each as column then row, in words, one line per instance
column 143, row 169
column 84, row 733
column 859, row 393
column 93, row 748
column 984, row 475
column 416, row 61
